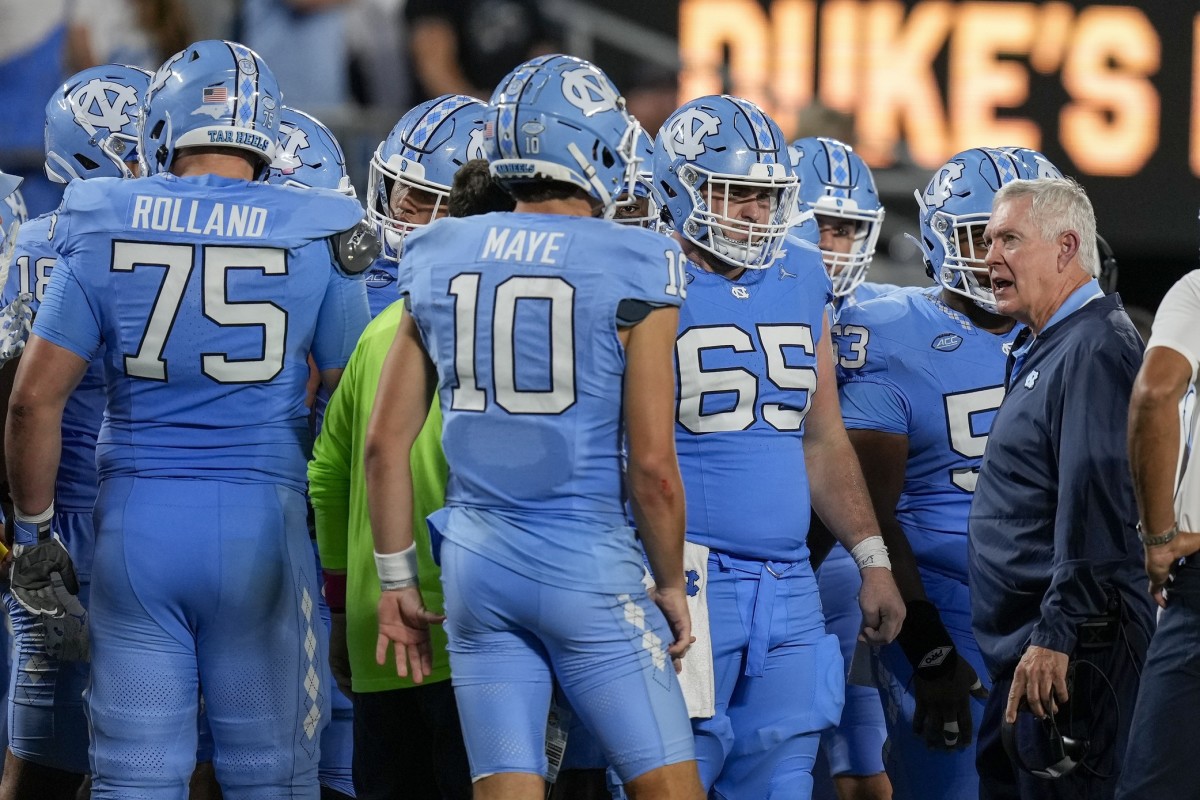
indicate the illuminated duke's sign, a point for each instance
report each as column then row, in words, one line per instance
column 943, row 76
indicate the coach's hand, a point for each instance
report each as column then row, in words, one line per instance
column 404, row 622
column 943, row 712
column 882, row 606
column 1040, row 679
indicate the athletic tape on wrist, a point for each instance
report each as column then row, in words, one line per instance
column 871, row 552
column 397, row 570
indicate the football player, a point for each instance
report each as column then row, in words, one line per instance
column 207, row 291
column 545, row 331
column 91, row 132
column 838, row 191
column 409, row 179
column 922, row 373
column 760, row 441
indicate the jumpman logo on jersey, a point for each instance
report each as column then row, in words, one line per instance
column 687, row 136
column 102, row 104
column 693, row 582
column 589, row 92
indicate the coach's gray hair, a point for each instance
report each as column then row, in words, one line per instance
column 1059, row 205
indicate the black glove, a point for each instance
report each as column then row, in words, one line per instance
column 37, row 555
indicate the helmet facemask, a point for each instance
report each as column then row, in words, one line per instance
column 739, row 242
column 963, row 270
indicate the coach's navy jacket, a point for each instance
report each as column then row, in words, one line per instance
column 1053, row 519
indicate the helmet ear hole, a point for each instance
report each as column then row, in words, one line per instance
column 607, row 158
column 86, row 162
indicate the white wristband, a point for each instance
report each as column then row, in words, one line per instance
column 871, row 552
column 397, row 570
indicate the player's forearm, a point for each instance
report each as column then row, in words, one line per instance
column 33, row 438
column 389, row 494
column 656, row 494
column 1153, row 454
column 838, row 491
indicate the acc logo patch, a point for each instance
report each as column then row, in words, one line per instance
column 689, row 131
column 379, row 279
column 946, row 342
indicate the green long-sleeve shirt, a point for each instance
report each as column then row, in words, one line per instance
column 338, row 488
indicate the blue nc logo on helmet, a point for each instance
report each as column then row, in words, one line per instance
column 91, row 123
column 308, row 155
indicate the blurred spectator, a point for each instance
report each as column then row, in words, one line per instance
column 817, row 119
column 467, row 46
column 652, row 95
column 379, row 72
column 140, row 33
column 305, row 43
column 32, row 44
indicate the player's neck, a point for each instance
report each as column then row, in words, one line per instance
column 984, row 320
column 567, row 206
column 208, row 161
column 707, row 261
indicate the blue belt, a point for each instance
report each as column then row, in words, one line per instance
column 768, row 573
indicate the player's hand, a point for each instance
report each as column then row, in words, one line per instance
column 882, row 606
column 67, row 636
column 1040, row 679
column 1161, row 560
column 16, row 321
column 339, row 652
column 673, row 604
column 32, row 571
column 404, row 622
column 943, row 712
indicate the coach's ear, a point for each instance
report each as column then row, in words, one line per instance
column 356, row 249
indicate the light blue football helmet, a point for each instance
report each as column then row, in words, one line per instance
column 308, row 155
column 645, row 210
column 423, row 151
column 1035, row 164
column 91, row 123
column 954, row 209
column 212, row 94
column 715, row 146
column 560, row 118
column 836, row 182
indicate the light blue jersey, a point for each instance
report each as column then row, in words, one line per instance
column 209, row 293
column 862, row 293
column 381, row 285
column 33, row 262
column 910, row 365
column 746, row 357
column 522, row 324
